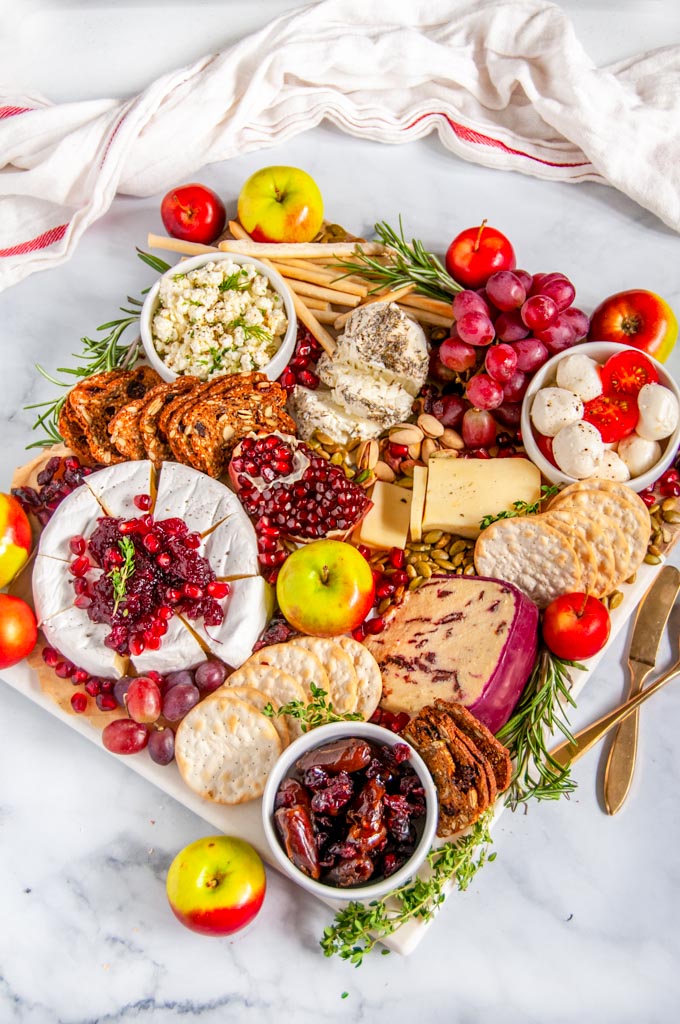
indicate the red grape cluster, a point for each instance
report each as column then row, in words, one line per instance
column 505, row 332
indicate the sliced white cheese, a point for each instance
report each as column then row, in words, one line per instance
column 461, row 492
column 231, row 548
column 316, row 410
column 179, row 649
column 418, row 501
column 247, row 611
column 76, row 516
column 82, row 641
column 387, row 522
column 363, row 395
column 52, row 587
column 116, row 487
column 199, row 500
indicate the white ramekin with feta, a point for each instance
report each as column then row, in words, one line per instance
column 216, row 314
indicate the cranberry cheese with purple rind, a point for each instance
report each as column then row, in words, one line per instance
column 461, row 638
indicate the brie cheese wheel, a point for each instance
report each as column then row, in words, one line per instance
column 229, row 543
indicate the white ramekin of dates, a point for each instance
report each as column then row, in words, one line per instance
column 350, row 811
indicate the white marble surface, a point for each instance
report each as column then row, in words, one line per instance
column 577, row 917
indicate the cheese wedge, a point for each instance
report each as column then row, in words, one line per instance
column 418, row 501
column 387, row 523
column 460, row 492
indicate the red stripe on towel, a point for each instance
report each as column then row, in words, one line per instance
column 13, row 111
column 40, row 242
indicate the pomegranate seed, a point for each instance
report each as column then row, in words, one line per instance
column 481, row 453
column 151, row 543
column 648, row 498
column 374, row 626
column 78, row 545
column 217, row 589
column 128, row 526
column 64, row 669
column 172, row 594
column 113, row 557
column 397, row 557
column 193, row 591
column 137, row 645
column 159, row 628
column 304, row 348
column 106, row 701
column 93, row 687
column 308, row 379
column 79, row 677
column 287, row 380
column 83, row 601
column 670, row 490
column 143, row 502
column 384, row 589
column 671, row 476
column 359, row 633
column 156, row 676
column 153, row 642
column 107, row 685
column 50, row 656
column 78, row 702
column 164, row 612
column 400, row 578
column 363, row 550
column 193, row 541
column 80, row 566
column 399, row 451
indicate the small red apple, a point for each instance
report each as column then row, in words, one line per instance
column 280, row 204
column 194, row 213
column 576, row 626
column 638, row 318
column 15, row 538
column 18, row 630
column 477, row 253
column 325, row 588
column 216, row 885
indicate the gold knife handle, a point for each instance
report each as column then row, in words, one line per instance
column 566, row 753
column 618, row 773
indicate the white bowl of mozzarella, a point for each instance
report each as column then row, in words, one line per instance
column 637, row 460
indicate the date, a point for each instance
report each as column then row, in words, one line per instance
column 339, row 756
column 297, row 834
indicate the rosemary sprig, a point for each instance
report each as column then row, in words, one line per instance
column 317, row 712
column 521, row 508
column 406, row 264
column 97, row 356
column 358, row 927
column 540, row 711
column 120, row 574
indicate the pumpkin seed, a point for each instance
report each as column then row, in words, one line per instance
column 432, row 536
column 423, row 569
column 652, row 559
column 615, row 599
column 415, row 583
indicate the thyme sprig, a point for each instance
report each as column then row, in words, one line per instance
column 539, row 713
column 406, row 264
column 120, row 574
column 358, row 927
column 317, row 712
column 521, row 508
column 97, row 356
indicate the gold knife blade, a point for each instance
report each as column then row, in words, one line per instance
column 650, row 623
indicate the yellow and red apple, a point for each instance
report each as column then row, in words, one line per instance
column 325, row 588
column 18, row 630
column 15, row 538
column 280, row 204
column 216, row 885
column 638, row 318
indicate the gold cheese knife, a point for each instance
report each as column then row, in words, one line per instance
column 650, row 623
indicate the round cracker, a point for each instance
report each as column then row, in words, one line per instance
column 260, row 700
column 593, row 541
column 530, row 553
column 297, row 661
column 342, row 679
column 276, row 684
column 225, row 750
column 369, row 676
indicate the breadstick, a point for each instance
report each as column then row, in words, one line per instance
column 390, row 296
column 303, row 250
column 178, row 245
column 430, row 305
column 324, row 278
column 427, row 318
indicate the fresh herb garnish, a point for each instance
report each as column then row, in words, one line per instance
column 358, row 927
column 317, row 712
column 233, row 282
column 250, row 331
column 521, row 508
column 120, row 574
column 406, row 264
column 539, row 712
column 98, row 355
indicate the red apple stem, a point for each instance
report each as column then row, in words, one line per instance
column 479, row 235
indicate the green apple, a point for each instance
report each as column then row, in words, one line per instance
column 325, row 588
column 280, row 204
column 216, row 885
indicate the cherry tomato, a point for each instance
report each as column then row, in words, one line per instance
column 627, row 372
column 615, row 416
column 545, row 446
column 194, row 213
column 576, row 626
column 18, row 630
column 477, row 253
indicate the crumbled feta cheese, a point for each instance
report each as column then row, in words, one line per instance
column 223, row 317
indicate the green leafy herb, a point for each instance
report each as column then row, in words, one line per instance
column 407, row 263
column 358, row 927
column 250, row 331
column 520, row 508
column 539, row 712
column 233, row 283
column 317, row 712
column 98, row 355
column 120, row 574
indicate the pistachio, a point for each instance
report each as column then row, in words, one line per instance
column 452, row 439
column 430, row 425
column 427, row 448
column 384, row 472
column 407, row 435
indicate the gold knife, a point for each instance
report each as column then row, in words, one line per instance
column 650, row 623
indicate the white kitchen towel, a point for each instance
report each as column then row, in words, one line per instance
column 504, row 83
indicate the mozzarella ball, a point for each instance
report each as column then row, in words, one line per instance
column 638, row 453
column 658, row 412
column 580, row 374
column 555, row 408
column 578, row 450
column 613, row 467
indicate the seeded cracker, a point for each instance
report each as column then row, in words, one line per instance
column 225, row 750
column 534, row 556
column 342, row 679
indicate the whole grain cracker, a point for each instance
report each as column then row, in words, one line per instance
column 297, row 661
column 225, row 749
column 342, row 679
column 530, row 553
column 369, row 676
